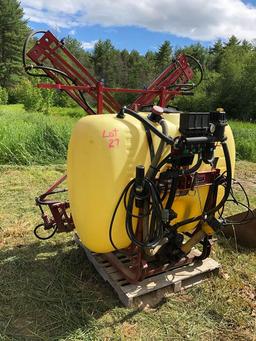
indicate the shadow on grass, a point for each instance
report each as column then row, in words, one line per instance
column 230, row 245
column 51, row 291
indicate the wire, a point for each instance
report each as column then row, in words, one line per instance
column 246, row 205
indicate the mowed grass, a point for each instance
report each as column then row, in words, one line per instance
column 35, row 138
column 50, row 291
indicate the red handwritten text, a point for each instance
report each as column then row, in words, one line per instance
column 111, row 137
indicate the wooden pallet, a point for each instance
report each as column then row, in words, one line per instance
column 176, row 279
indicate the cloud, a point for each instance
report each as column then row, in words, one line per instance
column 72, row 32
column 88, row 45
column 195, row 19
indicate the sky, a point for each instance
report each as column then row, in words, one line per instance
column 144, row 24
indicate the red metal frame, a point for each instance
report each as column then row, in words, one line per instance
column 49, row 51
column 59, row 216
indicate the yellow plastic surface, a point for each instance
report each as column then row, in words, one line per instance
column 102, row 156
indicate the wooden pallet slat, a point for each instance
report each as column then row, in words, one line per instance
column 175, row 279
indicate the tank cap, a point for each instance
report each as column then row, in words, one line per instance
column 157, row 110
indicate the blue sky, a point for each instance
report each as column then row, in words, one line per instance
column 146, row 24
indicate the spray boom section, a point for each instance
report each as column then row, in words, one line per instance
column 52, row 57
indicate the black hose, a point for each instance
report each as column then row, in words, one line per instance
column 26, row 68
column 195, row 167
column 152, row 197
column 205, row 215
column 48, row 68
column 47, row 237
column 126, row 189
column 175, row 182
column 166, row 139
column 157, row 231
column 199, row 66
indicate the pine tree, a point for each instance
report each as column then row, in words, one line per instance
column 103, row 57
column 232, row 42
column 76, row 48
column 164, row 56
column 216, row 53
column 13, row 29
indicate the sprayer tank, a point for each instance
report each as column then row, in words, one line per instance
column 102, row 155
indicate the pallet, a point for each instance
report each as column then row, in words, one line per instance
column 175, row 280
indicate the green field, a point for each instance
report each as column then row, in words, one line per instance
column 34, row 138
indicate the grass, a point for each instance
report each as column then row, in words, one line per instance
column 32, row 138
column 245, row 138
column 49, row 291
column 35, row 138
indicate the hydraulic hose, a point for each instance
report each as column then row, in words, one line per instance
column 25, row 46
column 175, row 182
column 47, row 68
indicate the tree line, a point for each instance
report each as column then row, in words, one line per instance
column 229, row 70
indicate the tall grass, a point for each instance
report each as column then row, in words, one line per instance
column 245, row 139
column 33, row 138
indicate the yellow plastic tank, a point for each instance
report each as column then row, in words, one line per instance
column 102, row 155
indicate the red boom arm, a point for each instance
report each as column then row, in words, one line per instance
column 50, row 52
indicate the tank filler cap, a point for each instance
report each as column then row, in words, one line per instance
column 155, row 115
column 157, row 110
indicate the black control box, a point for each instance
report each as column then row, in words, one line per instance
column 199, row 124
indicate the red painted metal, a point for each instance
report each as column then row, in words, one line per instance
column 106, row 89
column 60, row 218
column 49, row 51
column 178, row 72
column 52, row 52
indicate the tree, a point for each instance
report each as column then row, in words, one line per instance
column 76, row 48
column 196, row 50
column 13, row 29
column 164, row 56
column 103, row 58
column 233, row 41
column 216, row 53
